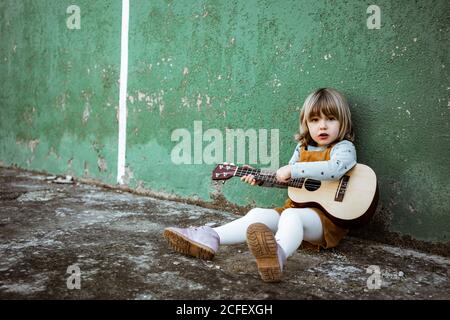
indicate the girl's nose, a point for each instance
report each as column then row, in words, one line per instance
column 322, row 123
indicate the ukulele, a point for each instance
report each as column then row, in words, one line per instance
column 349, row 202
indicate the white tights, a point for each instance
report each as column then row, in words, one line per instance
column 291, row 227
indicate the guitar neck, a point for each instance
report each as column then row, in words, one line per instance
column 267, row 176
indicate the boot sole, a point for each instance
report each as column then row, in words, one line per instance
column 262, row 244
column 184, row 245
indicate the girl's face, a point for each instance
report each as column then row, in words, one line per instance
column 323, row 129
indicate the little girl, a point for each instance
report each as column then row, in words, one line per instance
column 325, row 152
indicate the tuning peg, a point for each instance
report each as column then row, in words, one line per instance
column 232, row 163
column 223, row 181
column 225, row 163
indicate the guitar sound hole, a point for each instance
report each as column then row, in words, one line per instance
column 312, row 185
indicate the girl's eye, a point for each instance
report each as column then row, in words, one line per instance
column 331, row 118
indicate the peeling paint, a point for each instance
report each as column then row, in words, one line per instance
column 199, row 102
column 151, row 100
column 102, row 166
column 33, row 144
column 185, row 102
column 128, row 175
column 141, row 96
column 61, row 101
column 86, row 113
column 85, row 168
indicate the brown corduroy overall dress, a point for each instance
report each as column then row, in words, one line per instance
column 332, row 234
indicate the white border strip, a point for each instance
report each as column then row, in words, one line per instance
column 123, row 93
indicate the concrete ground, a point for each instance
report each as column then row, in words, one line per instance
column 115, row 239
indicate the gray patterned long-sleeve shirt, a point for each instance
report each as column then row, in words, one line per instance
column 342, row 159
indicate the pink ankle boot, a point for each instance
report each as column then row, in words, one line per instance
column 199, row 242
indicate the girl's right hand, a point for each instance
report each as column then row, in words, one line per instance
column 250, row 178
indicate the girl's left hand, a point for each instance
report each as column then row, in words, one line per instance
column 284, row 174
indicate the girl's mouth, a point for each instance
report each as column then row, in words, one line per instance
column 323, row 135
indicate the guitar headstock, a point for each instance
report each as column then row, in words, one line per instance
column 224, row 171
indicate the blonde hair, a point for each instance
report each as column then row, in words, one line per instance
column 329, row 102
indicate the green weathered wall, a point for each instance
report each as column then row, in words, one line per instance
column 59, row 87
column 230, row 64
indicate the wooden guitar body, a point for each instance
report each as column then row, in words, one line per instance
column 348, row 202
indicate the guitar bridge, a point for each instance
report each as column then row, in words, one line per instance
column 341, row 189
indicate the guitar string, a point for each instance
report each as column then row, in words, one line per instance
column 257, row 174
column 298, row 182
column 272, row 179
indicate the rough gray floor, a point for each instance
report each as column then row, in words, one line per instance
column 116, row 240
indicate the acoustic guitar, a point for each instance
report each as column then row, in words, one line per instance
column 349, row 202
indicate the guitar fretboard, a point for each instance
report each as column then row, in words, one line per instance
column 267, row 176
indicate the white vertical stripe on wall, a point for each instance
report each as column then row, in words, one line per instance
column 123, row 93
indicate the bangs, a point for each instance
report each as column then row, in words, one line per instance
column 322, row 104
